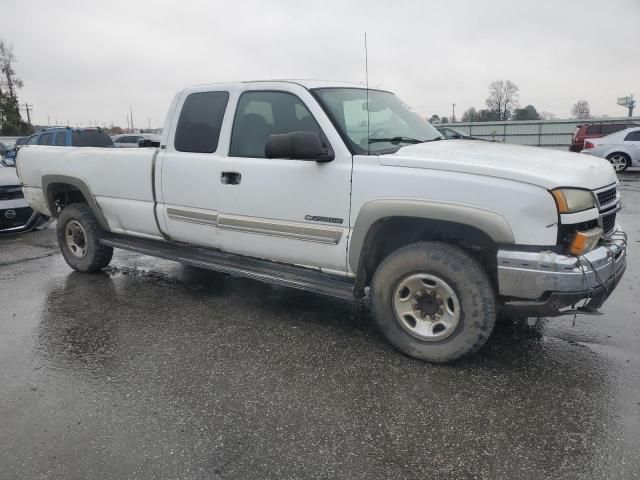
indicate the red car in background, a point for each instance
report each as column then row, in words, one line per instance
column 589, row 130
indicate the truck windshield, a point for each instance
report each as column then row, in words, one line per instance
column 391, row 124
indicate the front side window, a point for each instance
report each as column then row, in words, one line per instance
column 32, row 140
column 375, row 123
column 260, row 114
column 198, row 128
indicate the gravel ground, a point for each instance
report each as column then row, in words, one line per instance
column 155, row 370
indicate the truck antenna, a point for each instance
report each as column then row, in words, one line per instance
column 366, row 76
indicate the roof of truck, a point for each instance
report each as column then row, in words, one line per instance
column 306, row 83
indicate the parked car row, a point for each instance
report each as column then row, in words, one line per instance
column 588, row 131
column 622, row 149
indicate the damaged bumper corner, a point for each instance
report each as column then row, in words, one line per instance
column 548, row 284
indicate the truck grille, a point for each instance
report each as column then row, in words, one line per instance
column 605, row 197
column 608, row 205
column 11, row 192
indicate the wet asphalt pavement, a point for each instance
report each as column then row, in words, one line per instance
column 155, row 370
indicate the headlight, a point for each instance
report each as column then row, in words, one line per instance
column 571, row 200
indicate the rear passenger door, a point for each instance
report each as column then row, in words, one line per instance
column 632, row 142
column 190, row 171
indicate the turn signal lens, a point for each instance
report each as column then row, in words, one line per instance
column 584, row 242
column 571, row 200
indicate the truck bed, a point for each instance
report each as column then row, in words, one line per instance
column 121, row 180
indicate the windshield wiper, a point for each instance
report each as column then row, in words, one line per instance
column 396, row 140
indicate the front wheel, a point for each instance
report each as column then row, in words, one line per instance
column 619, row 161
column 79, row 237
column 433, row 301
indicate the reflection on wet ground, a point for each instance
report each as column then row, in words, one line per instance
column 152, row 369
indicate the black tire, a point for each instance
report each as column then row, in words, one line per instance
column 95, row 256
column 619, row 156
column 465, row 277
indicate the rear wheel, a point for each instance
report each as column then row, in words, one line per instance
column 433, row 301
column 619, row 161
column 79, row 237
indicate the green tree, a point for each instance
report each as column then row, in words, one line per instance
column 527, row 113
column 10, row 118
column 434, row 119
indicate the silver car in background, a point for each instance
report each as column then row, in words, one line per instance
column 132, row 140
column 622, row 148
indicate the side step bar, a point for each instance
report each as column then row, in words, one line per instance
column 262, row 270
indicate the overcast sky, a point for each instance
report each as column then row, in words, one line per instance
column 87, row 61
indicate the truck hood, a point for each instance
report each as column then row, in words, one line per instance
column 8, row 176
column 544, row 167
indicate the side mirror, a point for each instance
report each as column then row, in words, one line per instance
column 298, row 146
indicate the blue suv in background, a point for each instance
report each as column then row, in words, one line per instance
column 63, row 137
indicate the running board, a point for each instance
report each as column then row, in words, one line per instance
column 262, row 270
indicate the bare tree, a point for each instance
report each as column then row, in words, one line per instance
column 581, row 109
column 503, row 98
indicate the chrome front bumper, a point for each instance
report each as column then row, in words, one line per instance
column 544, row 283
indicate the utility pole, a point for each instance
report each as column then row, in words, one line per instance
column 131, row 114
column 27, row 107
column 453, row 113
column 149, row 123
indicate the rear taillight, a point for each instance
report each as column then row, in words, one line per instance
column 588, row 144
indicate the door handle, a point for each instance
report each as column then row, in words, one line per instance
column 230, row 178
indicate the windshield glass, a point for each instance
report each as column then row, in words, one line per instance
column 392, row 124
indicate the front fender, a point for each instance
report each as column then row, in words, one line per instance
column 491, row 223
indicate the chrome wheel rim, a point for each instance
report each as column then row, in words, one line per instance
column 426, row 306
column 75, row 238
column 618, row 162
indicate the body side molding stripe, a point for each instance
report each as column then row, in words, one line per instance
column 193, row 216
column 296, row 231
column 258, row 226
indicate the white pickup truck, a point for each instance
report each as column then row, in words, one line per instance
column 344, row 191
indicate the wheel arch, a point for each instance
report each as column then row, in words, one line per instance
column 72, row 190
column 383, row 226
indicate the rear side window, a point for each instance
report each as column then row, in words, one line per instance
column 633, row 137
column 90, row 138
column 61, row 139
column 593, row 129
column 45, row 139
column 200, row 120
column 609, row 129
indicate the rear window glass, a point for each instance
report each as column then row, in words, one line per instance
column 609, row 129
column 90, row 138
column 199, row 125
column 633, row 137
